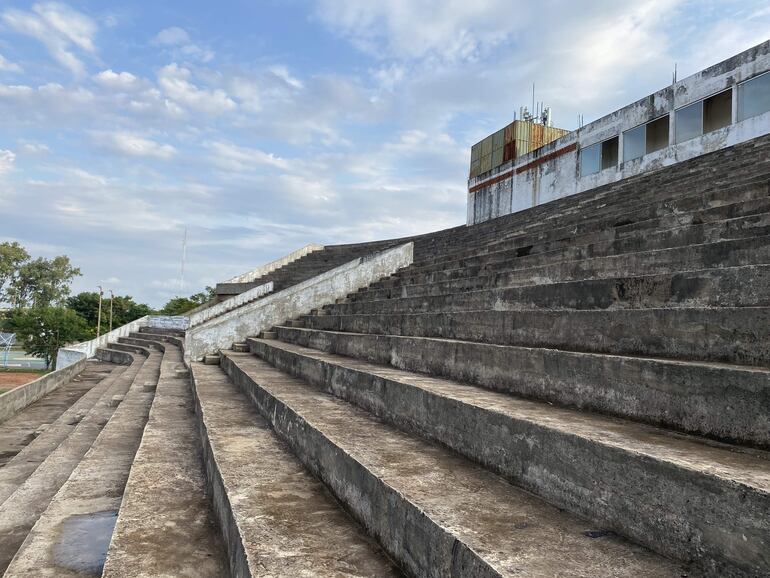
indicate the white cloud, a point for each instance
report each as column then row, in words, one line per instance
column 32, row 148
column 62, row 30
column 231, row 157
column 8, row 66
column 116, row 80
column 178, row 40
column 283, row 73
column 133, row 145
column 7, row 160
column 175, row 83
column 173, row 36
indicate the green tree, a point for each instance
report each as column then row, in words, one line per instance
column 12, row 255
column 124, row 309
column 178, row 306
column 42, row 282
column 43, row 330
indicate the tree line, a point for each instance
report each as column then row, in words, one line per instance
column 45, row 316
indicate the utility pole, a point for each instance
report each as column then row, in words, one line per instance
column 184, row 258
column 112, row 297
column 99, row 316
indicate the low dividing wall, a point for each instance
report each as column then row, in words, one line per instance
column 17, row 399
column 236, row 325
column 255, row 274
column 229, row 304
column 66, row 356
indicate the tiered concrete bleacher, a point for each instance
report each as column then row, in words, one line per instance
column 582, row 388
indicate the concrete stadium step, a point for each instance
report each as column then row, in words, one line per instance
column 671, row 214
column 534, row 252
column 162, row 331
column 278, row 520
column 733, row 253
column 71, row 536
column 592, row 256
column 22, row 428
column 613, row 227
column 23, row 508
column 724, row 402
column 30, row 436
column 435, row 512
column 747, row 286
column 716, row 497
column 165, row 526
column 731, row 335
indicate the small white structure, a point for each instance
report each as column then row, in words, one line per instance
column 721, row 106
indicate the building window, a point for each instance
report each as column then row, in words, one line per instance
column 599, row 156
column 718, row 111
column 633, row 143
column 657, row 134
column 754, row 96
column 610, row 152
column 590, row 159
column 689, row 121
column 704, row 116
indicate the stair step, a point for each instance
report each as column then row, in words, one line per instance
column 725, row 402
column 266, row 503
column 93, row 491
column 432, row 510
column 15, row 431
column 717, row 499
column 730, row 335
column 164, row 507
column 23, row 507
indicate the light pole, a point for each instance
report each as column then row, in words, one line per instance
column 112, row 296
column 99, row 316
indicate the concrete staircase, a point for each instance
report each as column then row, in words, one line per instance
column 580, row 389
column 60, row 495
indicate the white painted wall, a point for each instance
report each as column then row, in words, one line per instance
column 560, row 177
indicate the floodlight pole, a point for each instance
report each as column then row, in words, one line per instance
column 99, row 316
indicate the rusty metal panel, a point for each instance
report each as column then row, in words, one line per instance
column 509, row 152
column 486, row 163
column 486, row 146
column 475, row 168
column 509, row 133
column 497, row 157
column 476, row 152
column 498, row 140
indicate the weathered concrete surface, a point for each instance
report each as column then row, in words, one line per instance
column 277, row 519
column 729, row 403
column 29, row 437
column 567, row 456
column 432, row 510
column 165, row 526
column 236, row 325
column 733, row 335
column 255, row 274
column 94, row 488
column 25, row 426
column 12, row 402
column 22, row 509
column 230, row 304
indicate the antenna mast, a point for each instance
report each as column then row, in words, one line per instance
column 184, row 258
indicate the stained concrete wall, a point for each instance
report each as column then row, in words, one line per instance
column 12, row 402
column 229, row 304
column 236, row 325
column 514, row 186
column 255, row 274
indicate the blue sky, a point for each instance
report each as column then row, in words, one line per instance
column 263, row 126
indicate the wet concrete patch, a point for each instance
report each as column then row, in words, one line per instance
column 83, row 542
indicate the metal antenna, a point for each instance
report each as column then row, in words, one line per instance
column 674, row 82
column 184, row 258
